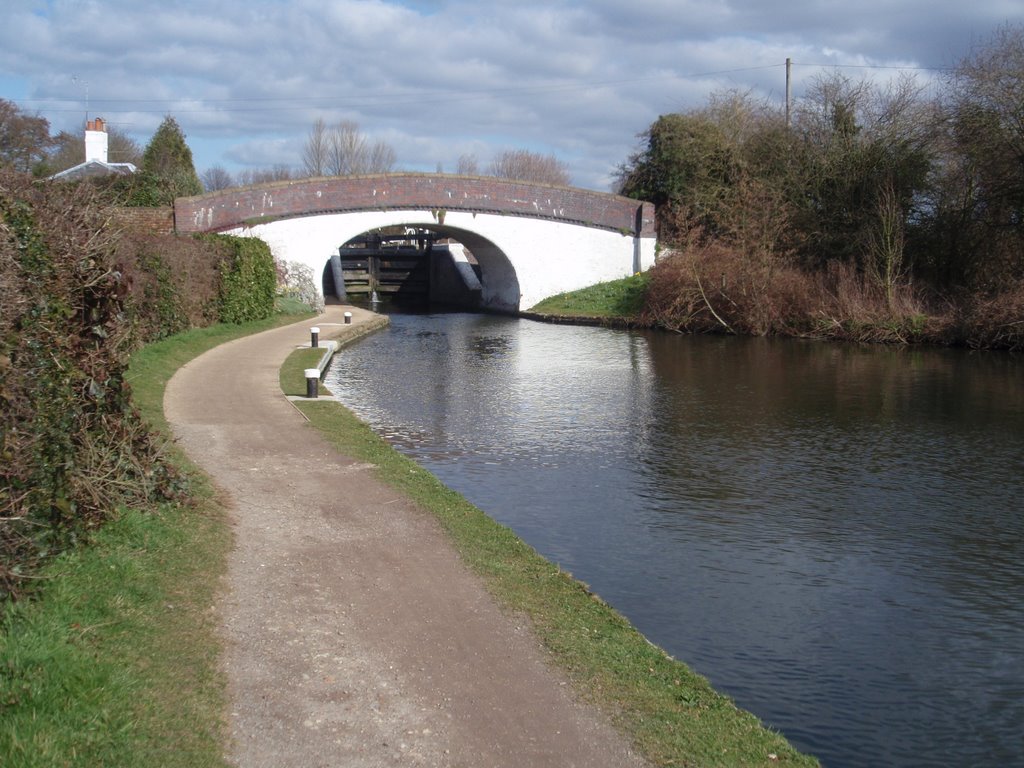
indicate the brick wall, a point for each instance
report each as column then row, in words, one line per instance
column 147, row 221
column 232, row 208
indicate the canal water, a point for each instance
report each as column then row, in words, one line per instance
column 833, row 534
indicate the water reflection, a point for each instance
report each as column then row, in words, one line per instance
column 832, row 534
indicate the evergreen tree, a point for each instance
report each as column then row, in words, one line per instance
column 167, row 169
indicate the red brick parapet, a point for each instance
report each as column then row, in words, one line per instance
column 146, row 221
column 247, row 206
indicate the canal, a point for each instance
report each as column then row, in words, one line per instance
column 833, row 534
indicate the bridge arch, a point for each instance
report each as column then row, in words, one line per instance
column 499, row 282
column 532, row 240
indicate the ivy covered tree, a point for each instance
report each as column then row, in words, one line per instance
column 686, row 169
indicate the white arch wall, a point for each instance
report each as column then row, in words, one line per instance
column 548, row 257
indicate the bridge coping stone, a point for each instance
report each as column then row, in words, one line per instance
column 263, row 203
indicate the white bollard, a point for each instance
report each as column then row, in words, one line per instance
column 348, row 318
column 312, row 382
column 314, row 337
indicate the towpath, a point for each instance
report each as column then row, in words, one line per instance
column 354, row 634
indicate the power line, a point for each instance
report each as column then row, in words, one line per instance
column 412, row 98
column 875, row 66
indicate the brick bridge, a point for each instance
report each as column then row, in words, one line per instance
column 530, row 240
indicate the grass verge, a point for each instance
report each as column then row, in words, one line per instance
column 619, row 299
column 115, row 660
column 673, row 715
column 293, row 377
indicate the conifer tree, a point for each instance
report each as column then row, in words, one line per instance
column 167, row 169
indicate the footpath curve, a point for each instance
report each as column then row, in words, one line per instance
column 354, row 634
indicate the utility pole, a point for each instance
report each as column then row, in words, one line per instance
column 789, row 88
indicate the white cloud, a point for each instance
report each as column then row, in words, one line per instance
column 580, row 78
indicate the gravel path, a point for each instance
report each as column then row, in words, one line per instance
column 354, row 635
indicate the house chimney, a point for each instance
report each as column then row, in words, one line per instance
column 95, row 140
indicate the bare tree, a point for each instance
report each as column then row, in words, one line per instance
column 24, row 138
column 885, row 243
column 343, row 150
column 381, row 159
column 279, row 172
column 216, row 178
column 833, row 110
column 468, row 165
column 524, row 165
column 317, row 149
column 67, row 152
column 348, row 154
column 122, row 148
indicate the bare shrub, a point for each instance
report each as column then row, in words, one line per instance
column 996, row 322
column 847, row 295
column 755, row 218
column 716, row 288
column 859, row 307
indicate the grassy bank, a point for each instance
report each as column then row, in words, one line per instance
column 114, row 661
column 672, row 714
column 618, row 299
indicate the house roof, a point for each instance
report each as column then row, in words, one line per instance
column 94, row 169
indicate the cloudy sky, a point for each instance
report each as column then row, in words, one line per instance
column 440, row 78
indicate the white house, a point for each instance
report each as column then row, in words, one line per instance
column 96, row 163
